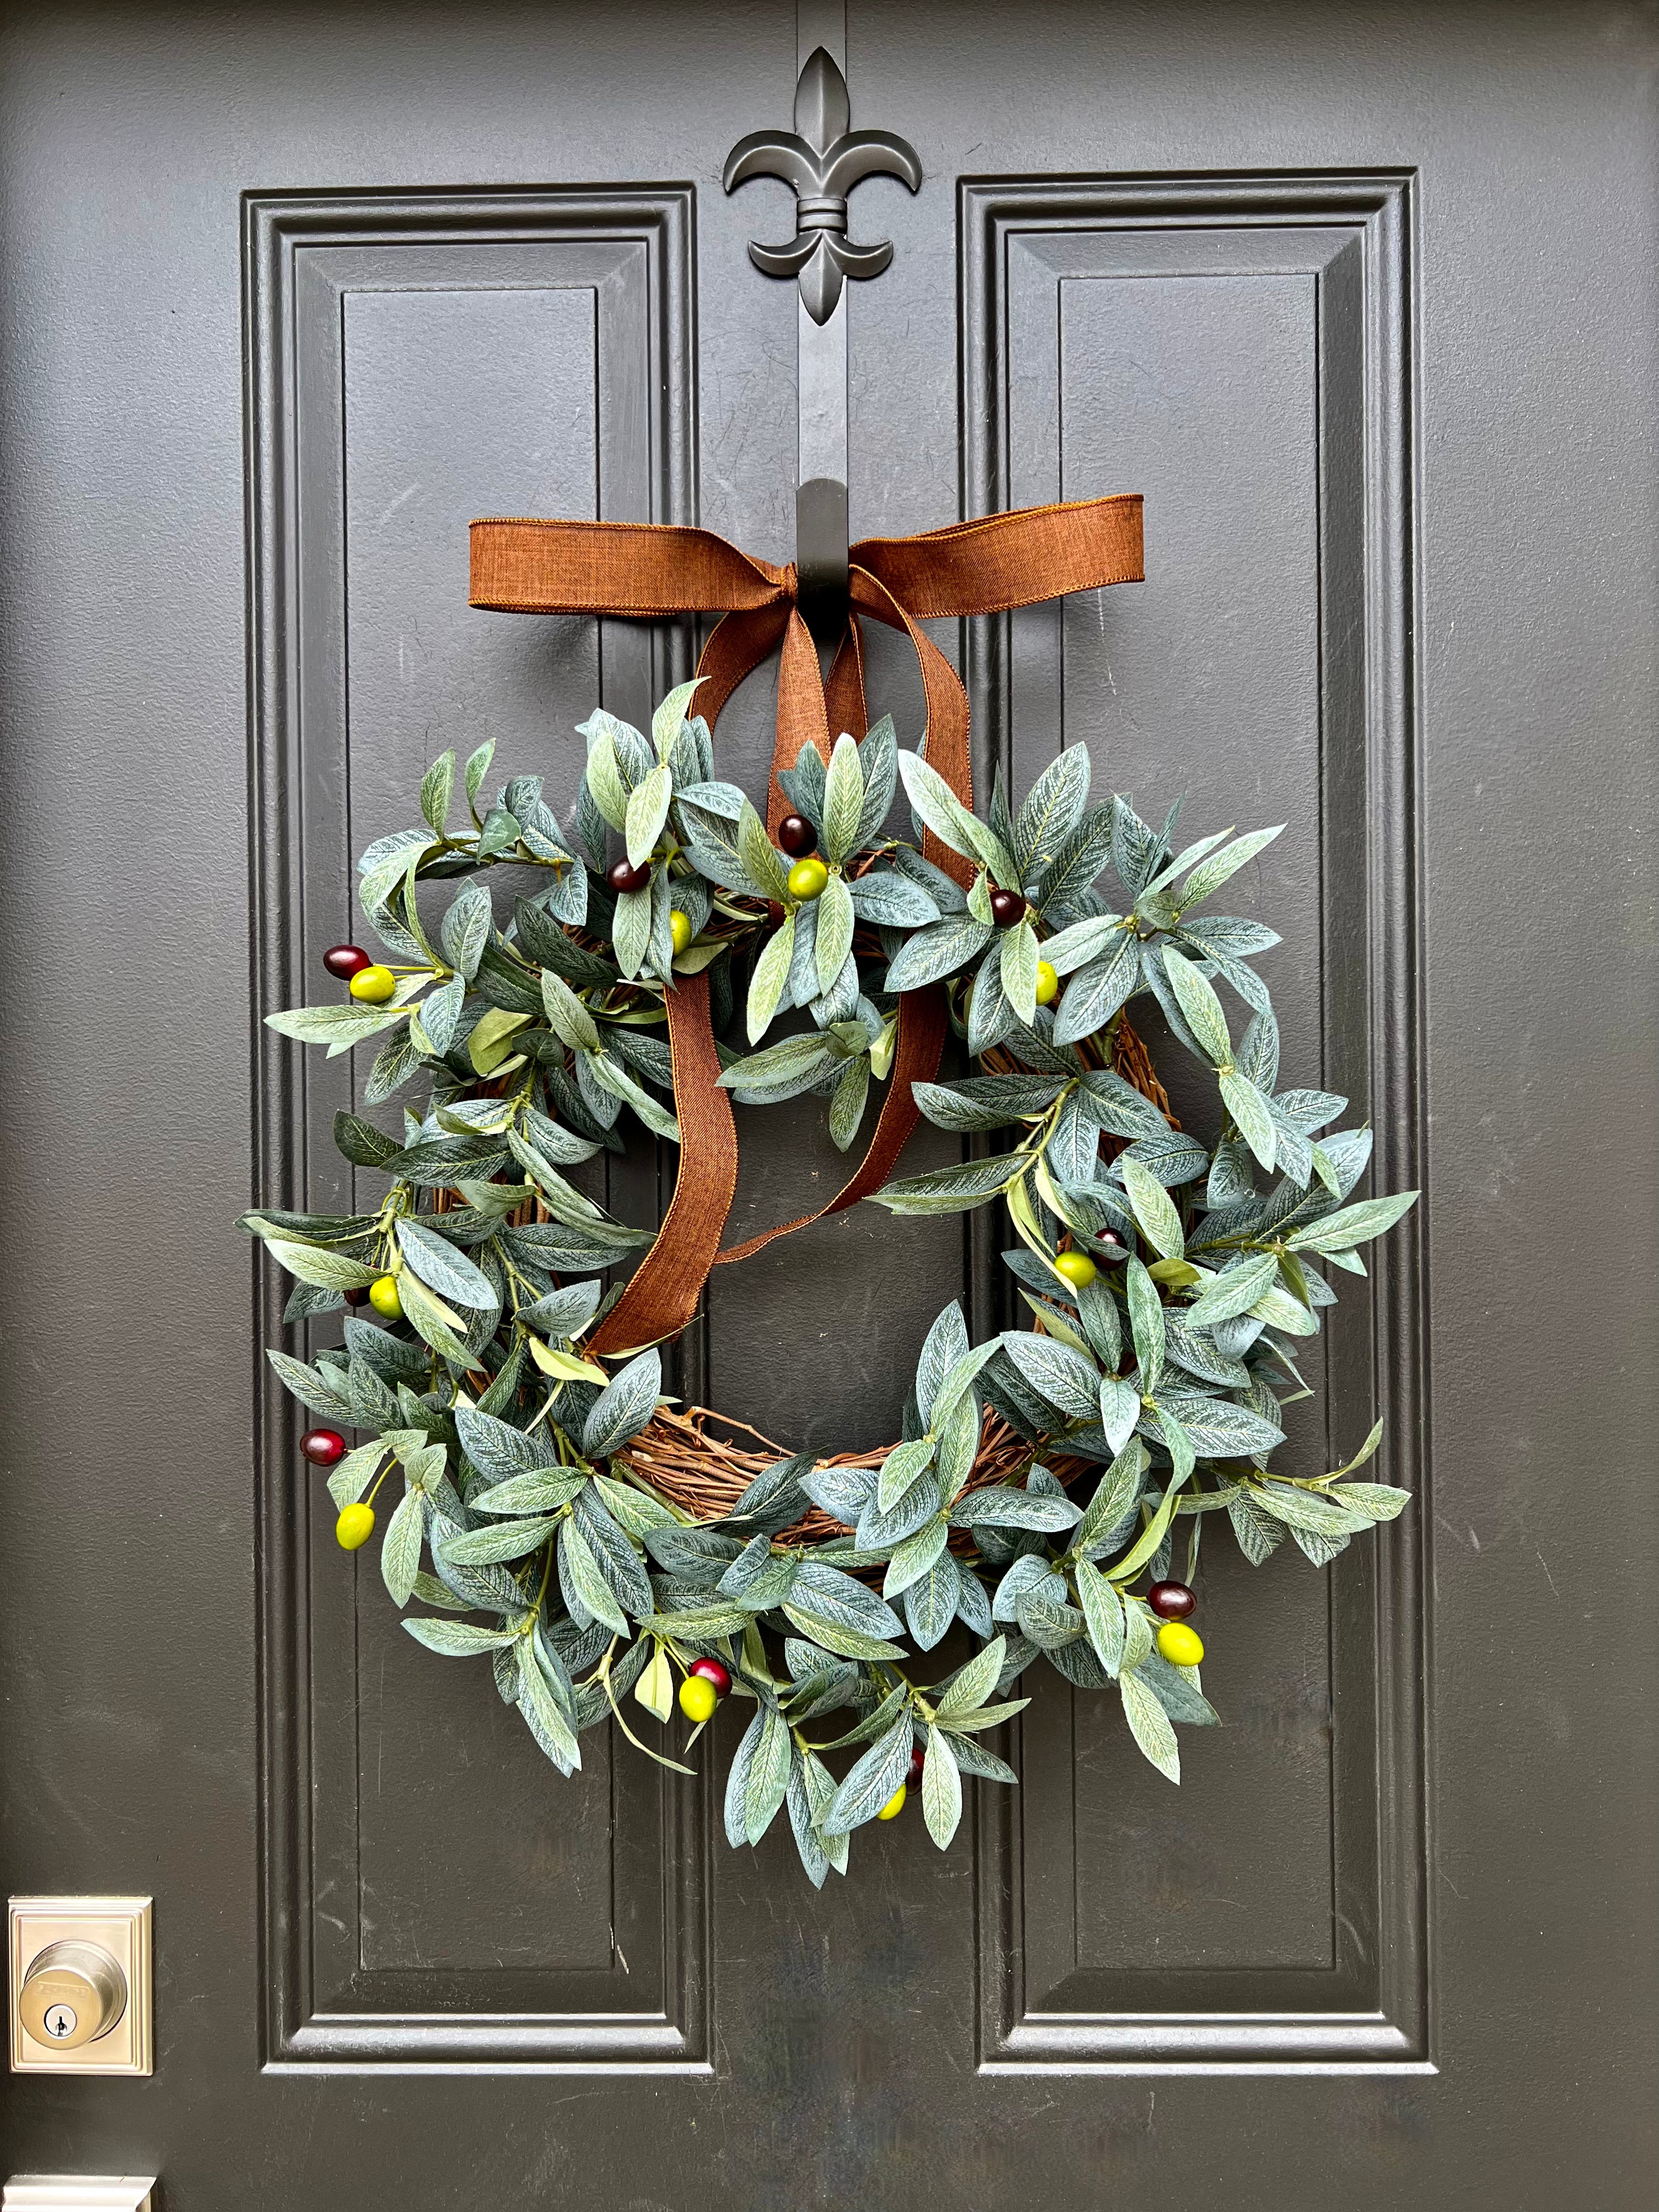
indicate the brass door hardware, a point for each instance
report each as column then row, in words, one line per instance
column 80, row 1980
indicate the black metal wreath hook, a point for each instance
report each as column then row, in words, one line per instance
column 821, row 159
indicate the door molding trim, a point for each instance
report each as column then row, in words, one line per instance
column 303, row 253
column 1041, row 2006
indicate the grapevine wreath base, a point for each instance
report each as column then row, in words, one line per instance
column 539, row 1502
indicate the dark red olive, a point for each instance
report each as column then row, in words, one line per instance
column 916, row 1764
column 346, row 960
column 623, row 876
column 712, row 1671
column 797, row 835
column 1171, row 1601
column 354, row 1297
column 1006, row 908
column 322, row 1447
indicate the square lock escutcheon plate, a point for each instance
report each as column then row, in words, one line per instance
column 81, row 1985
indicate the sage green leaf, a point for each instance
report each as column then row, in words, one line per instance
column 1145, row 1544
column 1064, row 1378
column 540, row 1708
column 835, row 931
column 999, row 1505
column 832, row 1597
column 439, row 1324
column 802, row 1059
column 1113, row 1495
column 354, row 1473
column 850, row 1643
column 756, row 850
column 1149, row 1724
column 1096, row 992
column 1201, row 1006
column 891, row 901
column 317, row 1263
column 871, row 1781
column 1220, row 1430
column 1310, row 1510
column 624, row 1407
column 903, row 1466
column 621, row 1084
column 957, row 1382
column 1352, row 1225
column 603, row 778
column 630, row 931
column 437, row 787
column 1052, row 812
column 477, row 768
column 950, row 821
column 771, row 973
column 941, row 1783
column 848, row 1100
column 1177, row 1442
column 1120, row 1410
column 499, row 1451
column 338, row 1027
column 1233, row 1292
column 1209, row 875
column 843, row 801
column 1146, row 1325
column 1018, row 970
column 361, row 1143
column 768, row 1778
column 1155, row 1211
column 647, row 809
column 579, row 1577
column 988, row 1716
column 1103, row 1610
column 567, row 1017
column 441, row 1267
column 1381, row 1501
column 541, row 1492
column 914, row 1557
column 971, row 1685
column 937, row 951
column 953, row 1189
column 400, row 1547
column 466, row 928
column 505, row 1540
column 459, row 1639
column 1255, row 1123
column 1070, row 948
column 930, row 1603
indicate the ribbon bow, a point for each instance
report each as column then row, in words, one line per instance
column 649, row 571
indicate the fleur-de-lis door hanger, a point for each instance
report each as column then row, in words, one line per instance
column 821, row 159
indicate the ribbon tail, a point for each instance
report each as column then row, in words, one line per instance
column 663, row 1294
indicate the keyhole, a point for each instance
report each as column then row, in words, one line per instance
column 60, row 2020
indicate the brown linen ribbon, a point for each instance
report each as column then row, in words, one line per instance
column 649, row 571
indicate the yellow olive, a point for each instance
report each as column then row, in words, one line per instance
column 807, row 880
column 1079, row 1269
column 355, row 1526
column 698, row 1698
column 1181, row 1645
column 679, row 928
column 383, row 1297
column 895, row 1804
column 376, row 984
column 1047, row 984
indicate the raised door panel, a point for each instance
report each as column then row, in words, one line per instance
column 413, row 363
column 1236, row 350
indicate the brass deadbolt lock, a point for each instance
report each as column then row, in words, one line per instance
column 81, row 1980
column 72, row 1993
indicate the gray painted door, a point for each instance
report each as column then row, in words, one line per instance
column 1362, row 299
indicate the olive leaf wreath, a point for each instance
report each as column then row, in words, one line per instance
column 595, row 1541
